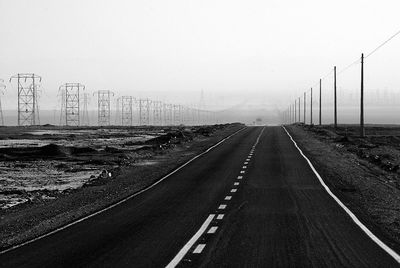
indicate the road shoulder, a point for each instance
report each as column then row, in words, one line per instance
column 372, row 200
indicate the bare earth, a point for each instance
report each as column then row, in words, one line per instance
column 51, row 177
column 362, row 172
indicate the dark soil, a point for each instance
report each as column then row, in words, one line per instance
column 41, row 215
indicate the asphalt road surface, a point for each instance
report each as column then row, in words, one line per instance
column 252, row 201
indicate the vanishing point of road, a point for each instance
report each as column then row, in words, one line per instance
column 251, row 201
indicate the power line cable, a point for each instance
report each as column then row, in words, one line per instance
column 384, row 43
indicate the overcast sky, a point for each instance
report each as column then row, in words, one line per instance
column 267, row 51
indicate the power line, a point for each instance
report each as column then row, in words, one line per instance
column 381, row 45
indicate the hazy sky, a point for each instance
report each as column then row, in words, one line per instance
column 266, row 51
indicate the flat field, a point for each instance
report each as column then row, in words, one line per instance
column 51, row 176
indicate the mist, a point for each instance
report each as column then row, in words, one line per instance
column 242, row 59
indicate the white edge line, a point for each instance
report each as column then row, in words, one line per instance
column 121, row 201
column 175, row 261
column 385, row 247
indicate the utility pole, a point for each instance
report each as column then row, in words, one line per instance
column 311, row 109
column 295, row 111
column 320, row 101
column 362, row 129
column 335, row 99
column 299, row 110
column 304, row 112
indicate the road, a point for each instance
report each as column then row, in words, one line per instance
column 252, row 201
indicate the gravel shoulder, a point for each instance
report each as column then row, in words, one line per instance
column 29, row 220
column 349, row 166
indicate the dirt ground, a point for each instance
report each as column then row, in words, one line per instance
column 50, row 176
column 362, row 172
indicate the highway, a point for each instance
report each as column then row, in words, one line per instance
column 252, row 201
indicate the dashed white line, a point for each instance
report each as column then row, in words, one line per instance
column 190, row 243
column 246, row 163
column 228, row 197
column 212, row 230
column 244, row 167
column 236, row 184
column 199, row 248
column 233, row 190
column 240, row 177
column 220, row 216
column 123, row 200
column 242, row 172
column 222, row 207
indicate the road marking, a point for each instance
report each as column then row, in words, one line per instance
column 228, row 197
column 183, row 252
column 244, row 167
column 190, row 243
column 236, row 183
column 386, row 248
column 248, row 159
column 212, row 230
column 246, row 163
column 199, row 249
column 233, row 190
column 123, row 200
column 242, row 172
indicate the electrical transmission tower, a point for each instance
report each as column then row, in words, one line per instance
column 85, row 116
column 61, row 96
column 167, row 111
column 157, row 113
column 177, row 115
column 27, row 98
column 144, row 112
column 127, row 110
column 117, row 112
column 104, row 107
column 2, row 88
column 72, row 109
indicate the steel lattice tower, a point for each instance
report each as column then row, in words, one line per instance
column 127, row 110
column 104, row 107
column 72, row 104
column 61, row 95
column 144, row 112
column 167, row 110
column 2, row 87
column 176, row 110
column 27, row 98
column 85, row 115
column 117, row 112
column 157, row 113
